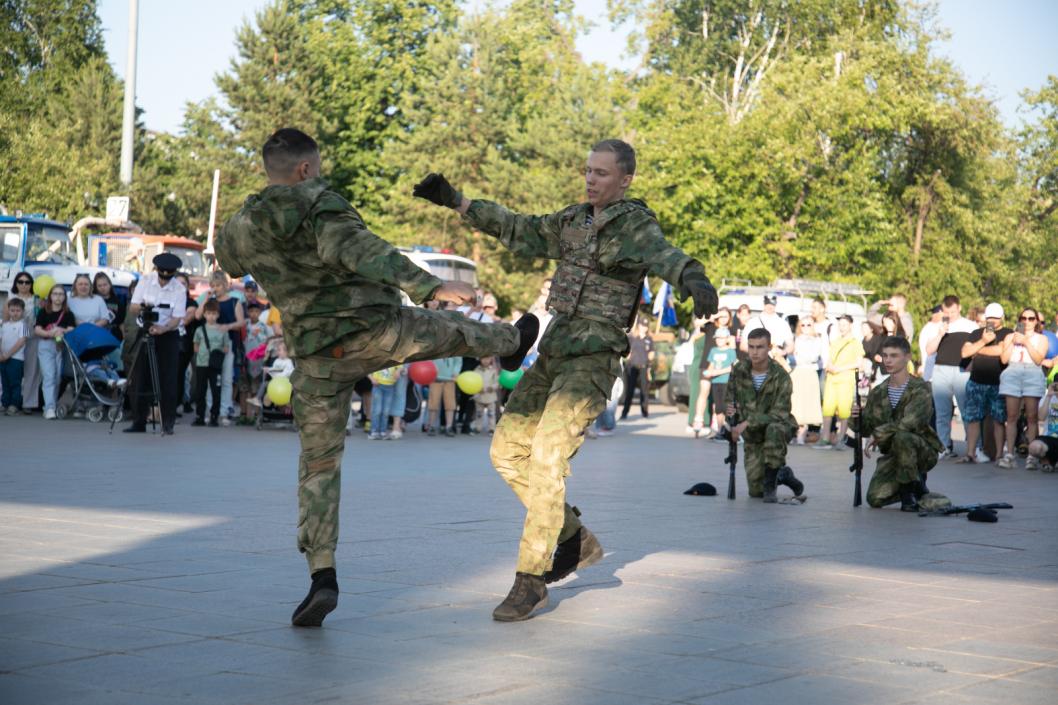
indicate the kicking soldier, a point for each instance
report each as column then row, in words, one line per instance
column 605, row 248
column 759, row 393
column 338, row 287
column 896, row 417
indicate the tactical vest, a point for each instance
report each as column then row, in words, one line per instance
column 578, row 289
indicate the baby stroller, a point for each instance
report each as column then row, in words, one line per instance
column 95, row 388
column 266, row 412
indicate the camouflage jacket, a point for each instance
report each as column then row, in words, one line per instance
column 629, row 246
column 770, row 404
column 912, row 414
column 326, row 272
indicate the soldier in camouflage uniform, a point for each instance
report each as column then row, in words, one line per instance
column 896, row 417
column 758, row 393
column 338, row 287
column 604, row 249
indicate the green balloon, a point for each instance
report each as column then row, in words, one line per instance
column 509, row 379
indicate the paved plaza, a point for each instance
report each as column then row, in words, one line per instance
column 164, row 570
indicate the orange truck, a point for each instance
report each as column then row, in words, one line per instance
column 134, row 252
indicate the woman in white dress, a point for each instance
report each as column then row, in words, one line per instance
column 808, row 356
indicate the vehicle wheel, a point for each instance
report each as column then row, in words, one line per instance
column 682, row 406
column 665, row 395
column 60, row 411
column 115, row 414
column 95, row 414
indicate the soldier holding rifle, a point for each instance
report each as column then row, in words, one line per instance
column 896, row 417
column 761, row 389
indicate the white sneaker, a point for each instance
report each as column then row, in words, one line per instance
column 980, row 457
column 225, row 421
column 49, row 413
column 1032, row 463
column 1006, row 462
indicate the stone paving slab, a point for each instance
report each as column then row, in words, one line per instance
column 163, row 570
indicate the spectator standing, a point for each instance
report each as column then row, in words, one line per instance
column 232, row 321
column 897, row 306
column 116, row 306
column 637, row 369
column 808, row 356
column 776, row 325
column 13, row 336
column 443, row 389
column 208, row 338
column 1049, row 410
column 1022, row 382
column 929, row 331
column 984, row 348
column 22, row 289
column 742, row 316
column 382, row 397
column 839, row 390
column 873, row 337
column 695, row 369
column 185, row 384
column 399, row 406
column 53, row 321
column 85, row 306
column 715, row 378
column 949, row 370
column 257, row 335
column 487, row 400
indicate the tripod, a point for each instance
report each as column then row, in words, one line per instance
column 145, row 342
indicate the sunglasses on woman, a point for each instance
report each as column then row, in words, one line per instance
column 1027, row 318
column 23, row 281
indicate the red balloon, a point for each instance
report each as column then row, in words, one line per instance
column 423, row 372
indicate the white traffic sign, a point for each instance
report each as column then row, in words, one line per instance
column 118, row 208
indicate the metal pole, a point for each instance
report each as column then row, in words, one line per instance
column 128, row 123
column 213, row 212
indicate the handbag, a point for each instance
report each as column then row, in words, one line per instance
column 216, row 357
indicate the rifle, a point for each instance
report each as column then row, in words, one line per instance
column 857, row 450
column 964, row 508
column 732, row 453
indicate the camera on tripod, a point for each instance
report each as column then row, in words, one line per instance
column 149, row 314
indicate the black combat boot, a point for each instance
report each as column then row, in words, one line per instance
column 580, row 550
column 786, row 477
column 921, row 488
column 529, row 593
column 529, row 328
column 907, row 497
column 321, row 600
column 770, row 475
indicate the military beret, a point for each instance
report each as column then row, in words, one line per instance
column 702, row 489
column 988, row 516
column 167, row 260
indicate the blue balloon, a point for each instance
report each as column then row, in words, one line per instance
column 1052, row 343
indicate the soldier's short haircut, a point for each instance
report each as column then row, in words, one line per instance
column 896, row 342
column 287, row 148
column 626, row 156
column 759, row 333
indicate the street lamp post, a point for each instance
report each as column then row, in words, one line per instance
column 128, row 123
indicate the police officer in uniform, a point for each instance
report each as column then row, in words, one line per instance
column 604, row 247
column 157, row 294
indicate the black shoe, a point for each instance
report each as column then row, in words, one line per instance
column 450, row 431
column 770, row 475
column 646, row 414
column 624, row 417
column 188, row 409
column 528, row 594
column 167, row 430
column 198, row 422
column 786, row 477
column 213, row 423
column 135, row 428
column 321, row 600
column 578, row 551
column 529, row 328
column 432, row 431
column 907, row 498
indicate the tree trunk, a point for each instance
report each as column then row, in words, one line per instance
column 925, row 205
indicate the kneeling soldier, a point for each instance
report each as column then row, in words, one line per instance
column 759, row 393
column 897, row 419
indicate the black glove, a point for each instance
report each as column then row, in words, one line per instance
column 697, row 286
column 436, row 189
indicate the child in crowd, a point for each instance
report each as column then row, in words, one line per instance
column 54, row 321
column 1049, row 410
column 208, row 339
column 721, row 358
column 444, row 389
column 487, row 400
column 385, row 384
column 257, row 334
column 14, row 334
column 281, row 366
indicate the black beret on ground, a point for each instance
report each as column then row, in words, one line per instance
column 702, row 489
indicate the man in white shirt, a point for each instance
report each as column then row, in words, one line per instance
column 949, row 374
column 776, row 325
column 158, row 294
column 928, row 332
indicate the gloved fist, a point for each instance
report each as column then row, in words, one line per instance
column 706, row 301
column 436, row 189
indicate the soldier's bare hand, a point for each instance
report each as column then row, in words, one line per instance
column 869, row 448
column 738, row 430
column 455, row 293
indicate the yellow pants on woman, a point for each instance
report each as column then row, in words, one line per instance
column 839, row 390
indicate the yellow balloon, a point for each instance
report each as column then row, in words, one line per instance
column 470, row 382
column 42, row 285
column 279, row 391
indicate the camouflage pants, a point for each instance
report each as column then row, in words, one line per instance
column 323, row 389
column 903, row 457
column 540, row 431
column 764, row 448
